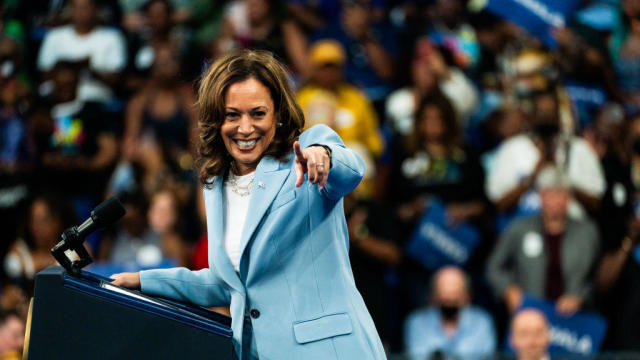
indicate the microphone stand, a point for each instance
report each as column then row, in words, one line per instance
column 71, row 253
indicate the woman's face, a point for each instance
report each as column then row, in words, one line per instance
column 162, row 214
column 432, row 124
column 249, row 124
column 257, row 10
column 45, row 228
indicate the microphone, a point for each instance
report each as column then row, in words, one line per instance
column 102, row 216
column 70, row 251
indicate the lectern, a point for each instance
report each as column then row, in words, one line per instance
column 84, row 317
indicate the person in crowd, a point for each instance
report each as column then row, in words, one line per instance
column 133, row 13
column 273, row 197
column 263, row 25
column 430, row 73
column 435, row 162
column 17, row 155
column 499, row 126
column 530, row 335
column 82, row 143
column 590, row 78
column 547, row 255
column 376, row 256
column 450, row 325
column 494, row 35
column 328, row 99
column 14, row 104
column 99, row 52
column 12, row 328
column 130, row 233
column 160, row 33
column 165, row 222
column 48, row 216
column 149, row 236
column 519, row 160
column 616, row 279
column 432, row 166
column 163, row 111
column 620, row 224
column 611, row 136
column 624, row 49
column 448, row 27
column 370, row 48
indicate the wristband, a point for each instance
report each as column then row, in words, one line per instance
column 327, row 150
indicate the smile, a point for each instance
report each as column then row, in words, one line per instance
column 246, row 144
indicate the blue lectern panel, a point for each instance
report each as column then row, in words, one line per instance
column 192, row 315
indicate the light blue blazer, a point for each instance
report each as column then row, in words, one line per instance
column 294, row 268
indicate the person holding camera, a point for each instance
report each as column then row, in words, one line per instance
column 520, row 159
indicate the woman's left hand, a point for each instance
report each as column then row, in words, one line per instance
column 315, row 160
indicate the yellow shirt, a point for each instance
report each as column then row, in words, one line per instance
column 351, row 115
column 347, row 111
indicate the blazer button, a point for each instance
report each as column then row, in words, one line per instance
column 254, row 313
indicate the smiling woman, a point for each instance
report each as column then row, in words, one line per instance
column 278, row 251
column 249, row 124
column 237, row 89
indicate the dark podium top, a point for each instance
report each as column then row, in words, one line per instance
column 87, row 318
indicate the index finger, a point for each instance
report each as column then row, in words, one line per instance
column 297, row 150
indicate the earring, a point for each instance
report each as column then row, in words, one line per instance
column 279, row 124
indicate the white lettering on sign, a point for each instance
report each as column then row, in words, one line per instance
column 443, row 242
column 571, row 341
column 542, row 11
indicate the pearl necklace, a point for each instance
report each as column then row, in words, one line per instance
column 242, row 190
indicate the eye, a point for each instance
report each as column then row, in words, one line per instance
column 259, row 114
column 230, row 115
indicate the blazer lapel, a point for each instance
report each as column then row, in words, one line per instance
column 215, row 216
column 266, row 185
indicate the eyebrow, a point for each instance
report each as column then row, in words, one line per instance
column 252, row 109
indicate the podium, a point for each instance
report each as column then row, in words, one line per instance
column 84, row 317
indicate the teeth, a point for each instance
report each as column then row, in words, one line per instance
column 249, row 143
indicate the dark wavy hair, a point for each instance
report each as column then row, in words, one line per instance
column 213, row 158
column 452, row 135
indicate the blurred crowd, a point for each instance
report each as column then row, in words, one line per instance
column 532, row 149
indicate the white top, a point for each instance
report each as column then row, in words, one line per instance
column 104, row 47
column 235, row 214
column 517, row 157
column 459, row 90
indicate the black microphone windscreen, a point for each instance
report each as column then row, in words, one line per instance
column 107, row 212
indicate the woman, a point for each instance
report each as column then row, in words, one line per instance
column 264, row 24
column 435, row 163
column 277, row 248
column 30, row 253
column 163, row 110
column 434, row 169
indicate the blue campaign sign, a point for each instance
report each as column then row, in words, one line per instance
column 538, row 17
column 580, row 334
column 436, row 243
column 587, row 99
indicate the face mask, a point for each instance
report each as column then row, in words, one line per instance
column 449, row 312
column 546, row 130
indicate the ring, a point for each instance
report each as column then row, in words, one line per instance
column 319, row 165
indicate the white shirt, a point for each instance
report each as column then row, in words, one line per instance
column 517, row 157
column 235, row 214
column 459, row 90
column 104, row 47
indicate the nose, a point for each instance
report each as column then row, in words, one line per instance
column 246, row 125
